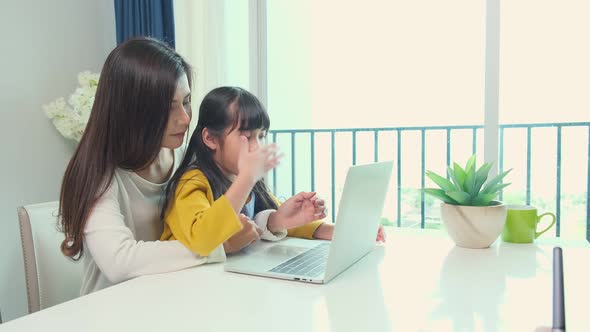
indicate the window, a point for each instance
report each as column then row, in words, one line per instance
column 334, row 64
column 545, row 79
column 405, row 81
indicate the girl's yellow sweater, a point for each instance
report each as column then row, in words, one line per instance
column 202, row 223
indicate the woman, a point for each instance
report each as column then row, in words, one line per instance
column 113, row 187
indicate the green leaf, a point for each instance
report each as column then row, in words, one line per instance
column 445, row 184
column 451, row 174
column 499, row 187
column 470, row 164
column 482, row 175
column 483, row 199
column 440, row 194
column 459, row 175
column 462, row 198
column 488, row 188
column 469, row 185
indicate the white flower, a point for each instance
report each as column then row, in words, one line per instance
column 88, row 79
column 70, row 118
column 56, row 108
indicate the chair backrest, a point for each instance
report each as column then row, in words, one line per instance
column 51, row 278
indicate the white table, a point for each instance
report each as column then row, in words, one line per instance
column 419, row 281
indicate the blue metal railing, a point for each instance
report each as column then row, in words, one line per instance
column 588, row 192
column 558, row 126
column 423, row 131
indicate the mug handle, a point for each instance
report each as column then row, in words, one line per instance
column 537, row 234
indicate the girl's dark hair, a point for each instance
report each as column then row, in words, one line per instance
column 126, row 127
column 215, row 115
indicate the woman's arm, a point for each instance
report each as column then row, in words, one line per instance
column 121, row 257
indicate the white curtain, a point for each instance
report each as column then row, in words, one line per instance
column 212, row 35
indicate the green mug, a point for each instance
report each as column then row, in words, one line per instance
column 521, row 224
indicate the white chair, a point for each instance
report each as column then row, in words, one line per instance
column 51, row 278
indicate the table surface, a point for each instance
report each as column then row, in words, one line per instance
column 418, row 281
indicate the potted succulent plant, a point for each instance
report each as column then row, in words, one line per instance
column 469, row 212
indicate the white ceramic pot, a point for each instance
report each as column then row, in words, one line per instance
column 475, row 227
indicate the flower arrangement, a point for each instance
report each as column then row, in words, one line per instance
column 70, row 118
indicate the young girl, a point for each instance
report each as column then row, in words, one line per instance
column 217, row 200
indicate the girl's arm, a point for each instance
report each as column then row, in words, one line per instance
column 198, row 222
column 238, row 192
column 261, row 219
column 307, row 231
column 120, row 256
column 305, row 212
column 326, row 232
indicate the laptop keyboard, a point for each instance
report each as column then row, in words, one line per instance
column 310, row 263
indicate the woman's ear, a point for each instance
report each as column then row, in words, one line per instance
column 209, row 139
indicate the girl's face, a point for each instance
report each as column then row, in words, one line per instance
column 226, row 151
column 180, row 115
column 226, row 156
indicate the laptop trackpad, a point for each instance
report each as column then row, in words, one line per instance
column 263, row 258
column 284, row 252
column 278, row 253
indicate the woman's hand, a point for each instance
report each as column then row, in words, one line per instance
column 249, row 234
column 326, row 232
column 256, row 163
column 298, row 210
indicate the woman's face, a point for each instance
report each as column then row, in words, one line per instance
column 180, row 115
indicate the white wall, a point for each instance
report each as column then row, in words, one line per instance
column 44, row 45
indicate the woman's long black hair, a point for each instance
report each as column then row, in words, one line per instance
column 125, row 129
column 215, row 115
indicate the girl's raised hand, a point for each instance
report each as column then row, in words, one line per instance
column 255, row 163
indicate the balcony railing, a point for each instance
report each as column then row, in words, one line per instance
column 399, row 133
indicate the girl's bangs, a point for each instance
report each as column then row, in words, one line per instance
column 252, row 114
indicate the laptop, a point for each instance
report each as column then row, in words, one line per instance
column 317, row 261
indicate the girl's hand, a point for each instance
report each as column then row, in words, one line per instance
column 249, row 234
column 256, row 163
column 326, row 232
column 298, row 210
